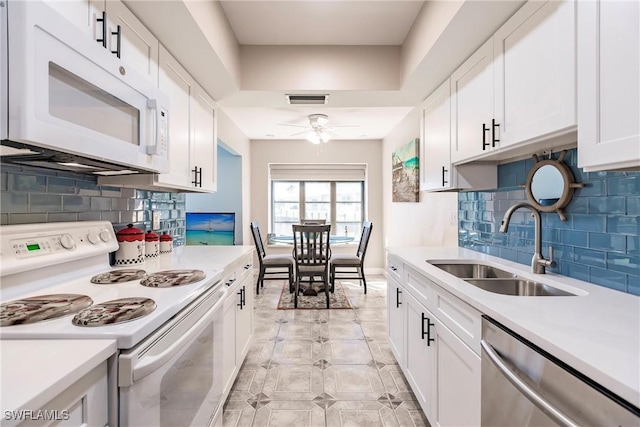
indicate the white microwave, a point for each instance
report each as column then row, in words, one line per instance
column 65, row 94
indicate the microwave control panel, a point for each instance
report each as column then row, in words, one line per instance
column 163, row 129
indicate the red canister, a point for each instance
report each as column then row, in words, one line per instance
column 130, row 246
column 152, row 244
column 166, row 243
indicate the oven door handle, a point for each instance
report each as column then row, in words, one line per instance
column 141, row 366
column 512, row 375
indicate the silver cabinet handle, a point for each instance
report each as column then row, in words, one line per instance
column 512, row 375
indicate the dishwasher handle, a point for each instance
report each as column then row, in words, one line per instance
column 512, row 375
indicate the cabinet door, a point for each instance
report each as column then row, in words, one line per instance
column 608, row 85
column 420, row 362
column 534, row 68
column 244, row 319
column 136, row 45
column 472, row 106
column 395, row 310
column 229, row 339
column 435, row 147
column 205, row 139
column 176, row 83
column 457, row 380
column 83, row 14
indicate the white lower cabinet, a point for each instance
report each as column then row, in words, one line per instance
column 84, row 403
column 238, row 319
column 457, row 382
column 442, row 368
column 229, row 339
column 395, row 310
column 420, row 358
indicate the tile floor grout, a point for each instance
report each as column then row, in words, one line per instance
column 387, row 409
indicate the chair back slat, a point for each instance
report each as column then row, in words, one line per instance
column 311, row 244
column 257, row 239
column 364, row 239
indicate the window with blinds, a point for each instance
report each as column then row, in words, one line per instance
column 333, row 192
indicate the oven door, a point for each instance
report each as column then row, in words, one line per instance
column 68, row 93
column 174, row 377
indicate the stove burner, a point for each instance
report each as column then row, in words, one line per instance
column 118, row 276
column 115, row 311
column 42, row 307
column 168, row 278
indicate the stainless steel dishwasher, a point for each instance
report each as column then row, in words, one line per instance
column 522, row 385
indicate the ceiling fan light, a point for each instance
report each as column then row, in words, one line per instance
column 324, row 136
column 313, row 137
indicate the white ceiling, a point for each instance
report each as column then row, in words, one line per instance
column 315, row 22
column 347, row 123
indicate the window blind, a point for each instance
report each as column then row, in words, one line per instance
column 318, row 171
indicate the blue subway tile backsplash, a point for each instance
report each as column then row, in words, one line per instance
column 599, row 242
column 30, row 195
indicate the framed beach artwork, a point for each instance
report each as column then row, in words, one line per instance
column 405, row 172
column 210, row 228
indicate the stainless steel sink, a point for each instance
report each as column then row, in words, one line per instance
column 498, row 281
column 473, row 271
column 517, row 287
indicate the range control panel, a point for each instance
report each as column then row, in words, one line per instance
column 31, row 245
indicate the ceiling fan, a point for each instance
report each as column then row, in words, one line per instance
column 318, row 130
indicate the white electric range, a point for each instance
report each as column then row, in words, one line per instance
column 175, row 319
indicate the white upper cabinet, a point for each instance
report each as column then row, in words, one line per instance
column 472, row 133
column 519, row 87
column 192, row 136
column 436, row 170
column 84, row 14
column 131, row 41
column 534, row 72
column 435, row 146
column 205, row 139
column 180, row 87
column 608, row 85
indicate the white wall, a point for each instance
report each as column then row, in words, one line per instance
column 432, row 221
column 320, row 67
column 236, row 143
column 264, row 152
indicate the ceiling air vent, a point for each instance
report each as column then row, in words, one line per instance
column 307, row 99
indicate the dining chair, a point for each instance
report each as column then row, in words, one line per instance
column 311, row 252
column 313, row 221
column 345, row 263
column 271, row 265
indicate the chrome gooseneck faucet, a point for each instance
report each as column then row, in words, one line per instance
column 538, row 262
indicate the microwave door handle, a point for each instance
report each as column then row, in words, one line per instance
column 152, row 104
column 511, row 374
column 149, row 364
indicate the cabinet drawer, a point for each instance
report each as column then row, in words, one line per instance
column 463, row 320
column 244, row 266
column 395, row 268
column 420, row 287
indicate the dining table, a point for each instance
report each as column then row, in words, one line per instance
column 333, row 240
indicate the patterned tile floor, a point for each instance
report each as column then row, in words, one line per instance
column 329, row 368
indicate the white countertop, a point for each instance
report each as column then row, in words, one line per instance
column 35, row 371
column 204, row 257
column 597, row 332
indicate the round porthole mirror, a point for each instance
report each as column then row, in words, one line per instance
column 550, row 185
